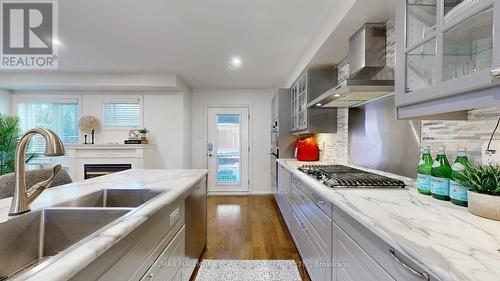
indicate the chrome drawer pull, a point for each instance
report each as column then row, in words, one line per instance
column 495, row 72
column 422, row 275
column 304, row 227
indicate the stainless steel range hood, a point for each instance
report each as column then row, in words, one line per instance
column 369, row 77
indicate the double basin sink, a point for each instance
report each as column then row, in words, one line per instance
column 34, row 237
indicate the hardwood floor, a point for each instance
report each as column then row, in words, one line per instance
column 248, row 227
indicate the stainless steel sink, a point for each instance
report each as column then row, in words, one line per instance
column 30, row 239
column 129, row 198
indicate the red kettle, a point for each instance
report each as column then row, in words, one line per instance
column 307, row 150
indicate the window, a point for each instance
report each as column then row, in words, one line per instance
column 122, row 113
column 59, row 115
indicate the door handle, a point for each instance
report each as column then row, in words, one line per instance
column 210, row 147
column 422, row 275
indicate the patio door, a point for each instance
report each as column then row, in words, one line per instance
column 228, row 149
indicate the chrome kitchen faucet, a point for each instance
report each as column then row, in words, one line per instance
column 23, row 198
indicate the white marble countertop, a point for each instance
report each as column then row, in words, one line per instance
column 451, row 242
column 70, row 261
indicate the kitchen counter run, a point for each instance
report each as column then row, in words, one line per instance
column 450, row 242
column 75, row 258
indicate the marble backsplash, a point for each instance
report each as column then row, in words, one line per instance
column 471, row 134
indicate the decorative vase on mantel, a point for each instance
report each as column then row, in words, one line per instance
column 484, row 205
column 89, row 125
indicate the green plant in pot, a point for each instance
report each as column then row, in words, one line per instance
column 483, row 182
column 9, row 138
column 143, row 133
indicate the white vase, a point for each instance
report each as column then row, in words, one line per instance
column 484, row 205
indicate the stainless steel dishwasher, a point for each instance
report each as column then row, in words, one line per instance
column 196, row 225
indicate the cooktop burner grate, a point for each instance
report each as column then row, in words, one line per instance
column 343, row 176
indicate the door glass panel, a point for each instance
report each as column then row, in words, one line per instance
column 468, row 46
column 421, row 20
column 421, row 66
column 228, row 148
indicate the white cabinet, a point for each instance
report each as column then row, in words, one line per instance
column 312, row 83
column 354, row 264
column 312, row 232
column 335, row 246
column 396, row 264
column 299, row 95
column 306, row 241
column 167, row 266
column 283, row 194
column 447, row 56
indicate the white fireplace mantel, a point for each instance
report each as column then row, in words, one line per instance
column 139, row 156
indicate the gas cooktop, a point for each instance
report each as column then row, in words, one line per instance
column 347, row 177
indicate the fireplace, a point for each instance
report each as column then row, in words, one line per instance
column 91, row 160
column 96, row 170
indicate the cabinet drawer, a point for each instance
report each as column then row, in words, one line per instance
column 322, row 203
column 321, row 223
column 167, row 266
column 315, row 261
column 284, row 179
column 354, row 263
column 284, row 206
column 397, row 264
column 323, row 247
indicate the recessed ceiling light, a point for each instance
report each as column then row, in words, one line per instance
column 318, row 104
column 235, row 63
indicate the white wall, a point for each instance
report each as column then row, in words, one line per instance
column 259, row 102
column 5, row 102
column 187, row 127
column 91, row 104
column 164, row 114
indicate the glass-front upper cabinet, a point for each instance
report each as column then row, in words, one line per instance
column 303, row 99
column 294, row 104
column 445, row 48
column 310, row 84
column 299, row 96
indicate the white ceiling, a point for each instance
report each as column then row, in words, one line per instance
column 193, row 38
column 336, row 47
column 196, row 39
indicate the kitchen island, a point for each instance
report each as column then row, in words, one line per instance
column 147, row 241
column 436, row 238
